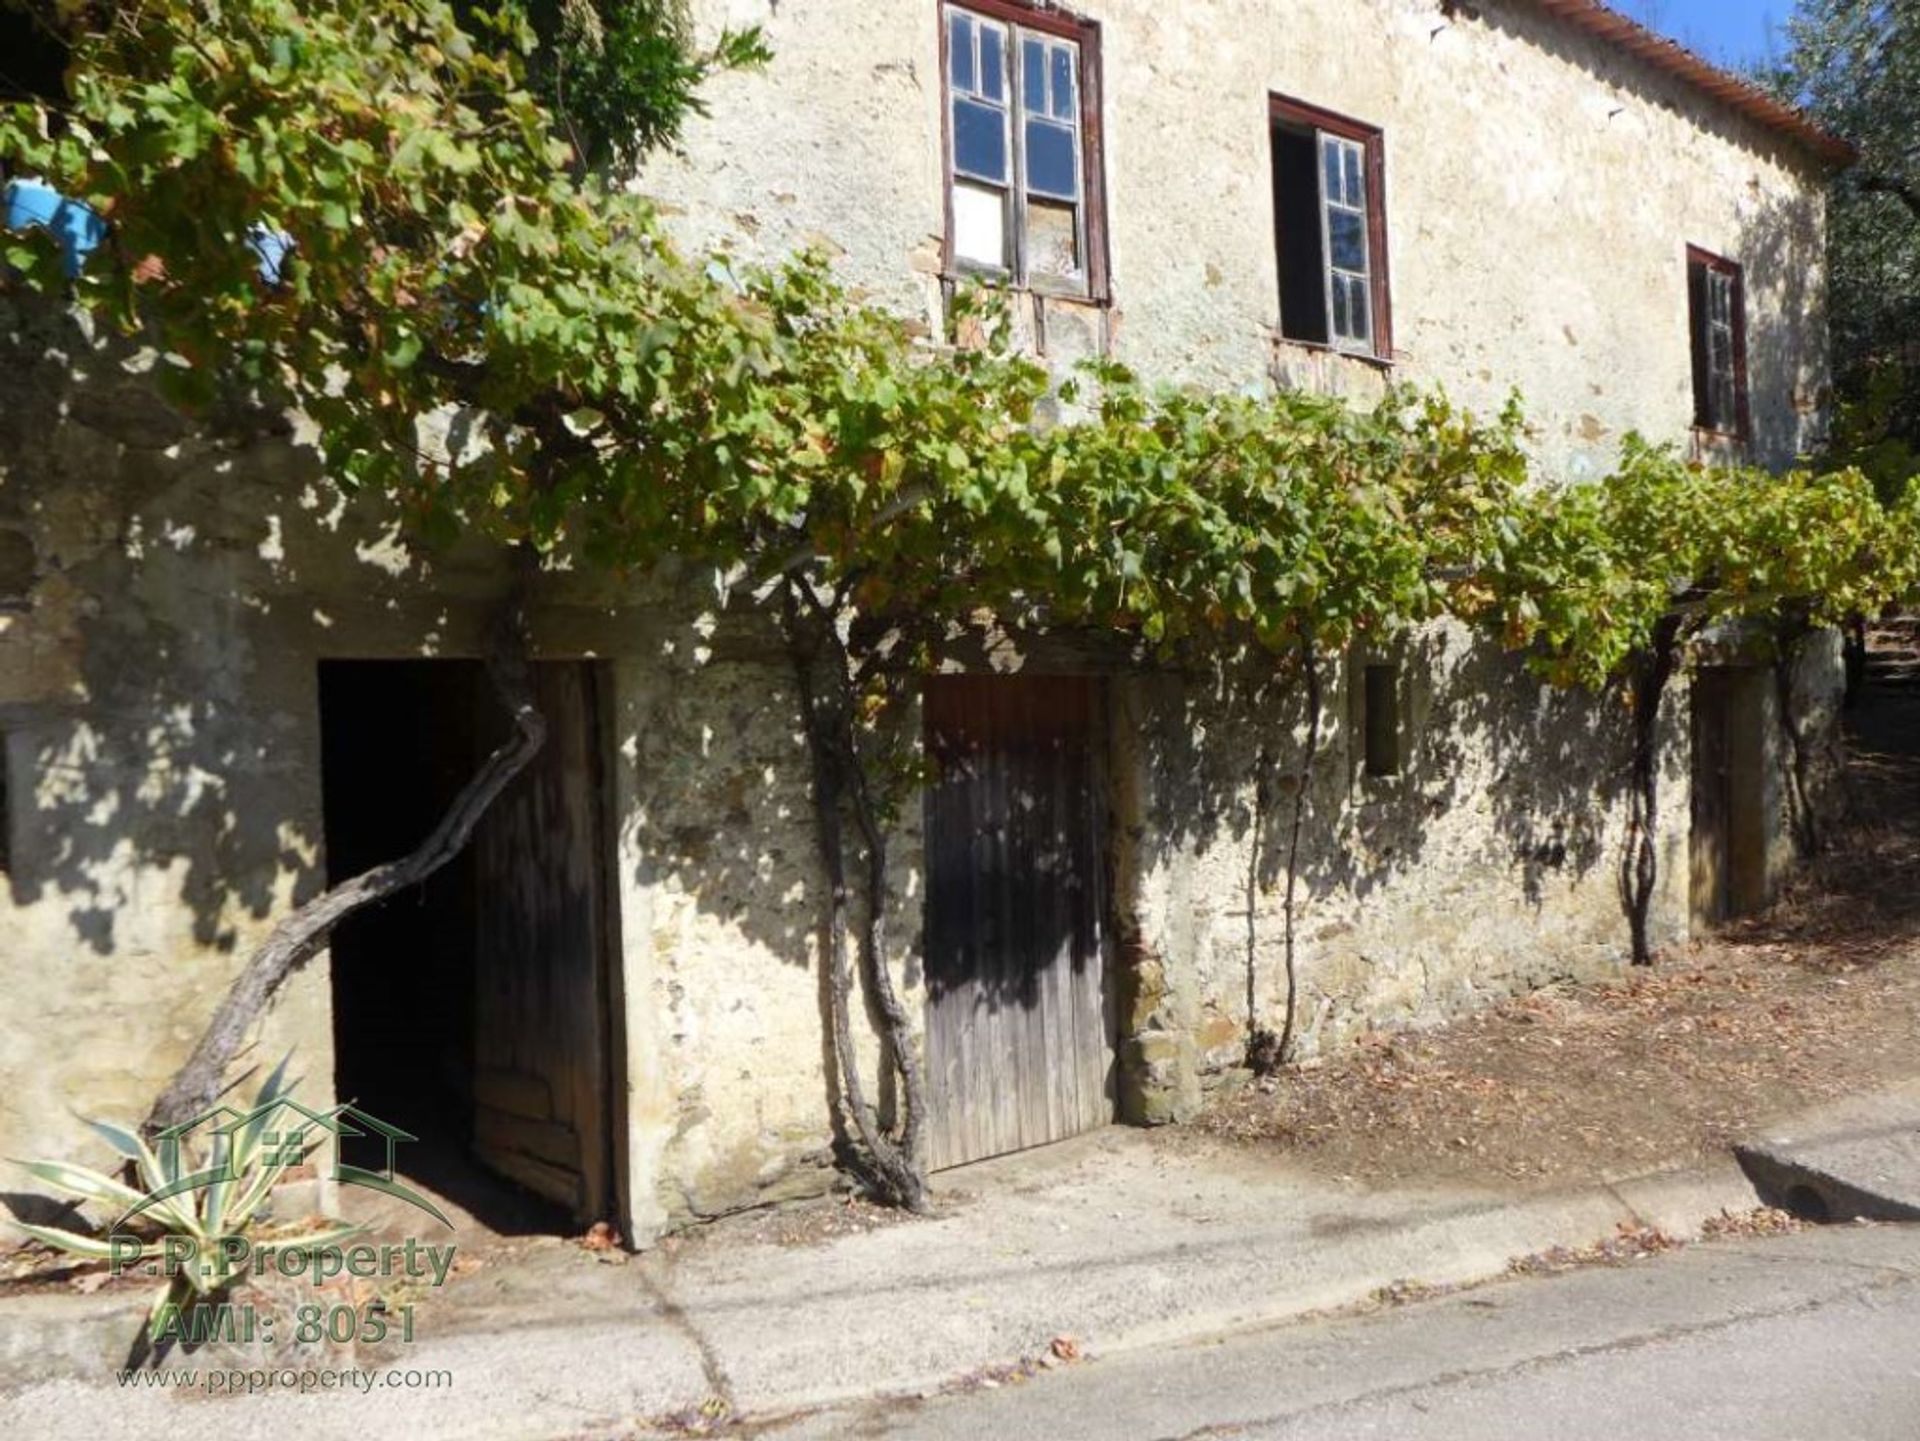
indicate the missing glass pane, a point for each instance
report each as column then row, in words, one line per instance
column 1358, row 306
column 1053, row 238
column 980, row 226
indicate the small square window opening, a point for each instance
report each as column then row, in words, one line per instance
column 1381, row 710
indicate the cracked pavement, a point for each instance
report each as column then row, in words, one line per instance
column 1812, row 1335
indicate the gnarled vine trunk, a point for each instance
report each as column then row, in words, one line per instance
column 1267, row 1052
column 892, row 1164
column 1302, row 797
column 1652, row 670
column 1806, row 829
column 295, row 939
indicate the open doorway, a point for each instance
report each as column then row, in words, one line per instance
column 475, row 1010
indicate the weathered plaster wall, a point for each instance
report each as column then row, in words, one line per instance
column 1541, row 191
column 160, row 718
column 723, row 938
column 1489, row 866
column 159, row 710
column 157, row 677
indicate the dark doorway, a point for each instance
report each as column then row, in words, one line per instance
column 1020, row 1016
column 475, row 1009
column 1730, row 831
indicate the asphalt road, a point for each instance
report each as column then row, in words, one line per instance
column 1811, row 1336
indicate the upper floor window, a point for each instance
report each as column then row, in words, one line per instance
column 1717, row 306
column 1023, row 181
column 1329, row 205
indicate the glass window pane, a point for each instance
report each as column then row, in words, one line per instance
column 1358, row 305
column 1356, row 189
column 1063, row 96
column 1033, row 83
column 1051, row 167
column 960, row 50
column 980, row 225
column 1724, row 407
column 979, row 140
column 1347, row 239
column 1053, row 238
column 1340, row 316
column 993, row 63
column 1330, row 164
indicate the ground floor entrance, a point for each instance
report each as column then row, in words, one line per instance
column 1020, row 1005
column 477, row 1010
column 1730, row 825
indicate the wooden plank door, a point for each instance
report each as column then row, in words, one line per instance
column 1019, row 1015
column 541, row 982
column 1711, row 829
column 1730, row 831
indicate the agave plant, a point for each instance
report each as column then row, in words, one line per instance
column 199, row 1205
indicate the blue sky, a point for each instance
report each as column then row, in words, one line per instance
column 1732, row 32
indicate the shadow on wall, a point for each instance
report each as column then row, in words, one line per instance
column 1790, row 388
column 158, row 706
column 1504, row 790
column 165, row 739
column 139, row 726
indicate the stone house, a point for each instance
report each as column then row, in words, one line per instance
column 221, row 685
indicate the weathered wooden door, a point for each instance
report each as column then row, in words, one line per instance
column 541, row 974
column 1730, row 833
column 1019, row 1019
column 1711, row 796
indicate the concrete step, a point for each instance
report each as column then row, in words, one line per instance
column 1858, row 1159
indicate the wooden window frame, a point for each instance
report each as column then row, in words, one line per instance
column 1713, row 263
column 1085, row 34
column 1283, row 109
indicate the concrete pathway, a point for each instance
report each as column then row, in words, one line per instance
column 1114, row 1241
column 1115, row 1245
column 1797, row 1338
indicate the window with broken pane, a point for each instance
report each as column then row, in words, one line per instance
column 1018, row 150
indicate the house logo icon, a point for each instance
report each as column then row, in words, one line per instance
column 254, row 1148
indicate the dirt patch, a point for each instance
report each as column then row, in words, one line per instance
column 797, row 1224
column 1817, row 999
